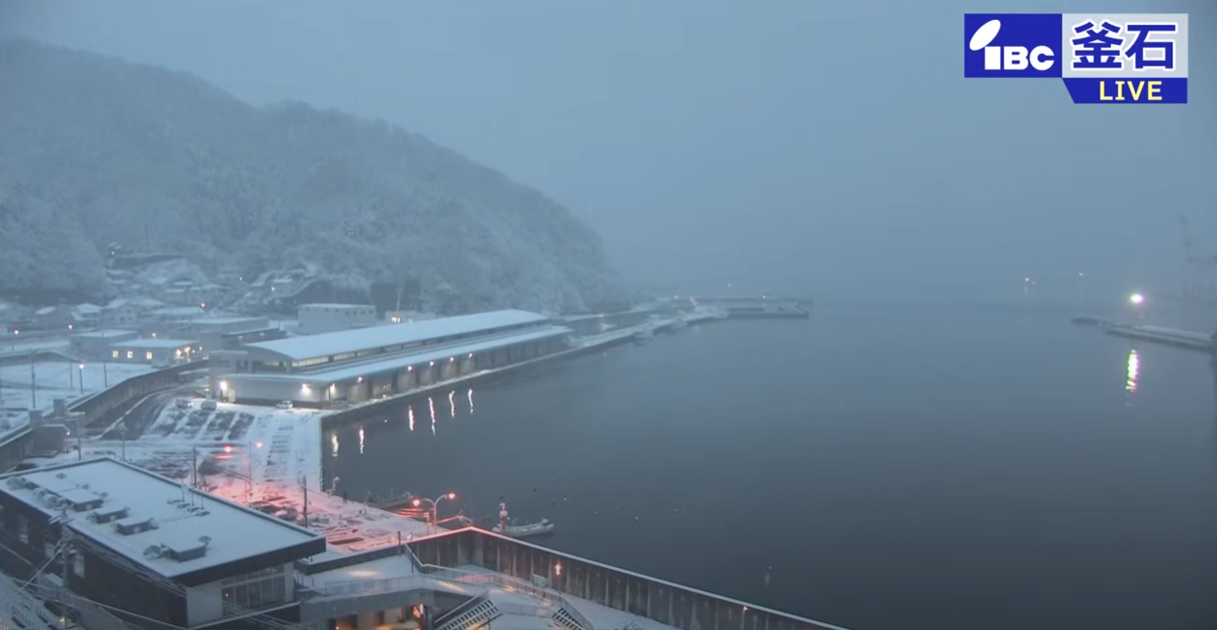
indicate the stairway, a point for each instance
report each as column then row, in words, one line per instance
column 477, row 613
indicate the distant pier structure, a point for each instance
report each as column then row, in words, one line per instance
column 761, row 306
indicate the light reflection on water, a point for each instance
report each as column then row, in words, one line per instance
column 1133, row 372
column 410, row 413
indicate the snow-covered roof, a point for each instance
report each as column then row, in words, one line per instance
column 46, row 310
column 223, row 321
column 336, row 306
column 178, row 310
column 143, row 302
column 117, row 303
column 87, row 308
column 154, row 344
column 329, row 344
column 182, row 517
column 392, row 363
column 104, row 334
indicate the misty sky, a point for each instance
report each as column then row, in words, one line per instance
column 830, row 149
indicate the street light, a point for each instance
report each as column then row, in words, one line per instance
column 82, row 378
column 1138, row 303
column 451, row 496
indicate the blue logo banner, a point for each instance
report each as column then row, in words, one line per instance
column 1102, row 58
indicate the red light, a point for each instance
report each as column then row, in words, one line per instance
column 416, row 503
column 227, row 448
column 417, row 611
column 451, row 496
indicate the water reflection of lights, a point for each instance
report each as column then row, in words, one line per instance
column 452, row 403
column 410, row 413
column 471, row 401
column 334, row 445
column 431, row 403
column 361, row 440
column 1134, row 370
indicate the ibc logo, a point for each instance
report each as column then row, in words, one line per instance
column 1041, row 57
column 1114, row 58
column 1012, row 45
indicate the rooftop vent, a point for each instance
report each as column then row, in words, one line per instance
column 134, row 525
column 186, row 551
column 153, row 551
column 108, row 514
column 16, row 483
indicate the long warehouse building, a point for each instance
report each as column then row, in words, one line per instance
column 357, row 365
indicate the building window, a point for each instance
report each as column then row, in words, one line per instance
column 130, row 354
column 252, row 591
column 23, row 529
column 148, row 356
column 114, row 354
column 78, row 563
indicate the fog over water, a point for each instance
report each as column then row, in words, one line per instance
column 896, row 468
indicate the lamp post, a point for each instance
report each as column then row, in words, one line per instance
column 81, row 366
column 451, row 496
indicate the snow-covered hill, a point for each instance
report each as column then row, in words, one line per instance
column 96, row 150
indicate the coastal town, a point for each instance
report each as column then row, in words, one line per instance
column 223, row 414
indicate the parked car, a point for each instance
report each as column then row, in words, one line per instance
column 208, row 405
column 284, row 404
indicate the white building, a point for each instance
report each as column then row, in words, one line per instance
column 150, row 546
column 405, row 317
column 95, row 344
column 157, row 352
column 324, row 318
column 358, row 365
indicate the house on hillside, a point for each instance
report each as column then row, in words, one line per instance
column 53, row 317
column 120, row 313
column 86, row 315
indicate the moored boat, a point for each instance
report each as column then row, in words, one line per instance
column 540, row 528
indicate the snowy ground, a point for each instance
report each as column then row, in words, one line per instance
column 11, row 346
column 20, row 390
column 280, row 451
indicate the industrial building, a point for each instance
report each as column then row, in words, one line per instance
column 150, row 549
column 220, row 333
column 157, row 352
column 95, row 345
column 316, row 319
column 357, row 365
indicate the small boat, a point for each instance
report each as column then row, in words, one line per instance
column 644, row 333
column 540, row 528
column 393, row 503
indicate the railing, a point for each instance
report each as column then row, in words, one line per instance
column 508, row 583
column 379, row 587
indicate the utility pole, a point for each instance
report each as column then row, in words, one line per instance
column 33, row 382
column 194, row 466
column 304, row 485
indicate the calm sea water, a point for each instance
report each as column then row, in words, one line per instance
column 947, row 468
